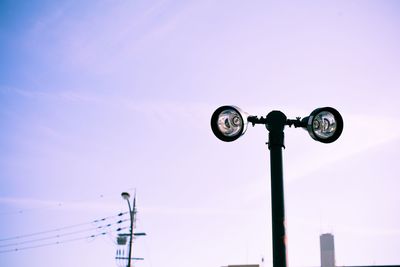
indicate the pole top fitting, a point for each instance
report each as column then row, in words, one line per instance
column 276, row 121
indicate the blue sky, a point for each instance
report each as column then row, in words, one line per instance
column 100, row 97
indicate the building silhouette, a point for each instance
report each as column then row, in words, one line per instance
column 327, row 246
column 328, row 253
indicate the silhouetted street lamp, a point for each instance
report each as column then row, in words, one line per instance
column 126, row 196
column 323, row 124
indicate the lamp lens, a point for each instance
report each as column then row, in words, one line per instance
column 230, row 123
column 324, row 125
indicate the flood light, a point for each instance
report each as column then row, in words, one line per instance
column 228, row 123
column 324, row 124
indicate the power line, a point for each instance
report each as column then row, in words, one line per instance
column 58, row 242
column 62, row 228
column 64, row 234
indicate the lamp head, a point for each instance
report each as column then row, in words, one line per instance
column 125, row 195
column 228, row 123
column 324, row 124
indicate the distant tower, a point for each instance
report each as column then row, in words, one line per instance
column 327, row 250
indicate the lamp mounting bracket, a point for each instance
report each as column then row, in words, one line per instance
column 296, row 123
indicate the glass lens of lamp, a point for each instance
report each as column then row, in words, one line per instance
column 230, row 123
column 324, row 125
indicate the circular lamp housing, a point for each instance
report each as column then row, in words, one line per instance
column 125, row 195
column 324, row 124
column 228, row 123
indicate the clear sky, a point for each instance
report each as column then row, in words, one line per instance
column 101, row 97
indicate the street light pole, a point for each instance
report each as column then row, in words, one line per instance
column 132, row 212
column 325, row 125
column 276, row 123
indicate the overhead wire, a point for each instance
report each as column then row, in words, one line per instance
column 62, row 228
column 64, row 234
column 99, row 227
column 57, row 236
column 58, row 242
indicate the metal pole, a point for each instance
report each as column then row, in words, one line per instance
column 132, row 214
column 276, row 121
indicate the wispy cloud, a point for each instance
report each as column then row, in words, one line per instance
column 160, row 210
column 60, row 95
column 349, row 229
column 360, row 135
column 26, row 205
column 115, row 32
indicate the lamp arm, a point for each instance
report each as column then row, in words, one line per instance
column 298, row 122
column 255, row 120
